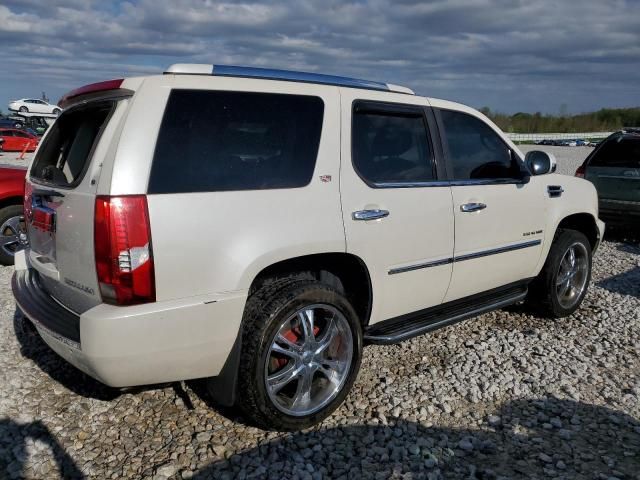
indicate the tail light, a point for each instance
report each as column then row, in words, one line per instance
column 124, row 258
column 580, row 171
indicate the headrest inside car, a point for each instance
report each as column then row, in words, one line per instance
column 391, row 141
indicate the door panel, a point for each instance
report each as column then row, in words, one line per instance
column 499, row 218
column 408, row 252
column 501, row 243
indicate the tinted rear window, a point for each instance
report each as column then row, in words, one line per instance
column 219, row 141
column 391, row 147
column 63, row 156
column 620, row 152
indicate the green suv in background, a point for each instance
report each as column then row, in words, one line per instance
column 614, row 169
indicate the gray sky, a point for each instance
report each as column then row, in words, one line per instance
column 510, row 55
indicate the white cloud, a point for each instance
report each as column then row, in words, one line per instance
column 509, row 54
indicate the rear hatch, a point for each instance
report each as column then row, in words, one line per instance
column 62, row 184
column 615, row 170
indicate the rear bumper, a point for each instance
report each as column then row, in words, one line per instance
column 137, row 345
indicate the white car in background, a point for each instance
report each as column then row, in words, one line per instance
column 33, row 105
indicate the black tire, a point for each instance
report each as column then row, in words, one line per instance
column 265, row 311
column 6, row 213
column 23, row 109
column 57, row 111
column 543, row 292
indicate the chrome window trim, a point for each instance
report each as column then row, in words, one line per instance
column 451, row 183
column 467, row 256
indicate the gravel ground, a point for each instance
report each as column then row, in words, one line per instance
column 13, row 158
column 506, row 395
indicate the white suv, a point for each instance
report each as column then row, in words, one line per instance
column 257, row 227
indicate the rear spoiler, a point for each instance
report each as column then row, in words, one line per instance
column 94, row 90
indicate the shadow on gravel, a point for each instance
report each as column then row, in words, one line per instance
column 622, row 234
column 627, row 283
column 17, row 442
column 526, row 438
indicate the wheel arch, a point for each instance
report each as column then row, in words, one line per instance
column 584, row 223
column 11, row 200
column 344, row 271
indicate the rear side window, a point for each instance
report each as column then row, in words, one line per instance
column 391, row 146
column 219, row 141
column 64, row 154
column 476, row 151
column 620, row 152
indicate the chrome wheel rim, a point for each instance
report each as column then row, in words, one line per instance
column 571, row 279
column 13, row 235
column 309, row 360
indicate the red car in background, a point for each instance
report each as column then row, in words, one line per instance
column 15, row 139
column 13, row 235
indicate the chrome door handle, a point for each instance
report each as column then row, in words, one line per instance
column 369, row 214
column 472, row 207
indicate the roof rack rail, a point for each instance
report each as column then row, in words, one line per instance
column 288, row 75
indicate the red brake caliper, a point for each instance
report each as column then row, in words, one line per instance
column 293, row 336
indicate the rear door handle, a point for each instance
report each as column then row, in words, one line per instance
column 369, row 214
column 472, row 207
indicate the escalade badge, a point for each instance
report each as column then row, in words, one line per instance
column 79, row 286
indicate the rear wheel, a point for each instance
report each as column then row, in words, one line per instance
column 13, row 235
column 301, row 350
column 57, row 111
column 562, row 284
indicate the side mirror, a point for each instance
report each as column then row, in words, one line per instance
column 539, row 162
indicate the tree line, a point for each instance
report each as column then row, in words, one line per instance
column 606, row 119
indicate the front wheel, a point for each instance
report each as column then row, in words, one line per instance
column 562, row 284
column 57, row 111
column 23, row 109
column 301, row 350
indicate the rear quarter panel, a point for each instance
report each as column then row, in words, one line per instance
column 214, row 242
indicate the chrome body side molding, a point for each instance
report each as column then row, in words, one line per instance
column 467, row 256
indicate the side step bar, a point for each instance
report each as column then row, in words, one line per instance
column 411, row 325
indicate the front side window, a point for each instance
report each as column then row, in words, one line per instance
column 621, row 152
column 391, row 146
column 220, row 141
column 476, row 151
